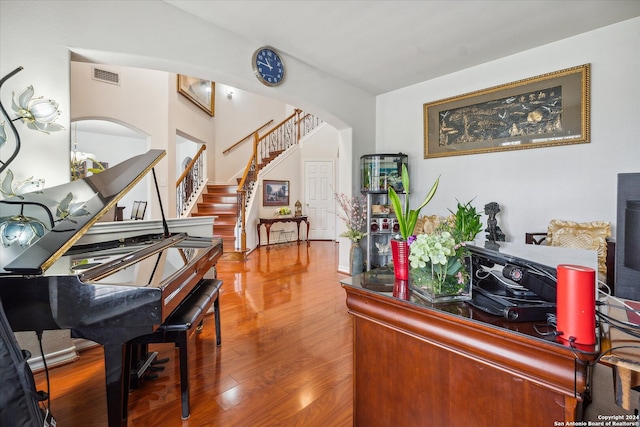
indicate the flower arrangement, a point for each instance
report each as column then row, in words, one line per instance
column 354, row 216
column 407, row 217
column 283, row 211
column 437, row 263
column 438, row 259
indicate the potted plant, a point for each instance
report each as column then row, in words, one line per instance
column 406, row 218
column 467, row 222
column 439, row 261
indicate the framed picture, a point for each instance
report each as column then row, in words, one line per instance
column 275, row 193
column 547, row 110
column 200, row 92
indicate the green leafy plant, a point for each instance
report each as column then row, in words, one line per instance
column 406, row 216
column 467, row 222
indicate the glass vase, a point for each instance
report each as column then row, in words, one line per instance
column 356, row 259
column 442, row 283
column 400, row 255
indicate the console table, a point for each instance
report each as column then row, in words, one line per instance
column 268, row 222
column 416, row 363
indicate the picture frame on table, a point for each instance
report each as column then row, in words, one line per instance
column 199, row 91
column 543, row 111
column 275, row 193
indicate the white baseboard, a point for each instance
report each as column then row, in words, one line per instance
column 60, row 357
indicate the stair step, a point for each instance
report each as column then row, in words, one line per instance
column 219, row 198
column 221, row 216
column 221, row 201
column 208, row 211
column 221, row 189
column 226, row 207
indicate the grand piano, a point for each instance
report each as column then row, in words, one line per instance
column 108, row 292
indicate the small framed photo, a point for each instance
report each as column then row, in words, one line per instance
column 199, row 91
column 275, row 193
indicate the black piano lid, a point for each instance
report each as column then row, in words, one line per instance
column 94, row 196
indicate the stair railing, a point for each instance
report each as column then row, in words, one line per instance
column 245, row 187
column 228, row 150
column 308, row 123
column 278, row 139
column 190, row 181
column 266, row 148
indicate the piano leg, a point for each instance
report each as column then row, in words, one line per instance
column 115, row 357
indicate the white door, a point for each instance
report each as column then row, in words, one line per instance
column 319, row 201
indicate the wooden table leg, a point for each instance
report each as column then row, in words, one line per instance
column 624, row 379
column 268, row 227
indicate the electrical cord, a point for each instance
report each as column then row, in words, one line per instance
column 630, row 329
column 47, row 397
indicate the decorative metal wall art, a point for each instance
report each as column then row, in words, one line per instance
column 542, row 111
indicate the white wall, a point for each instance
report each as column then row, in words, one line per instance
column 575, row 182
column 156, row 35
column 244, row 113
column 148, row 102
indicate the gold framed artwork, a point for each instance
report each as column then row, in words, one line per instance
column 199, row 91
column 547, row 110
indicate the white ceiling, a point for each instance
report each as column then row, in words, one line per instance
column 381, row 46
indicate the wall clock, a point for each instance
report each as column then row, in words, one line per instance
column 268, row 66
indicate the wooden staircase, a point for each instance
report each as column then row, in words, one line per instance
column 221, row 201
column 268, row 159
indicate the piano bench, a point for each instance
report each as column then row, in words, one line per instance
column 176, row 329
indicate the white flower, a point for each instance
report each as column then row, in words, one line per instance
column 433, row 248
column 37, row 113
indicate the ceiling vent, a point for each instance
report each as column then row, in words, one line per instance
column 106, row 76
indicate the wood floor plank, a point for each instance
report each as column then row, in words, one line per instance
column 286, row 357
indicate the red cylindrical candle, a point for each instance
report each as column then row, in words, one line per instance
column 576, row 304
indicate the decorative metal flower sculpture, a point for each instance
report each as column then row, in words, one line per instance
column 21, row 229
column 27, row 186
column 37, row 113
column 3, row 135
column 67, row 210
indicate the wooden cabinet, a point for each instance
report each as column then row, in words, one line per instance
column 450, row 365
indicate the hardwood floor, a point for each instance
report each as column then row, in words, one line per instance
column 286, row 357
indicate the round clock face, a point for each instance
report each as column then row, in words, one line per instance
column 268, row 66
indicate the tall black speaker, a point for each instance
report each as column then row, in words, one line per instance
column 627, row 275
